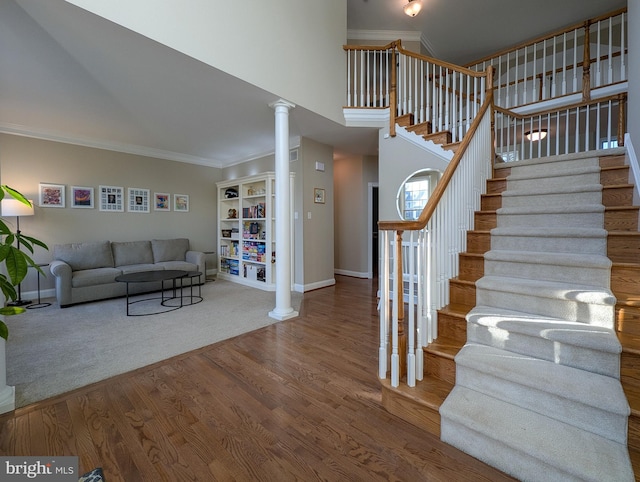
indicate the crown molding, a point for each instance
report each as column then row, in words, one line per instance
column 387, row 35
column 49, row 135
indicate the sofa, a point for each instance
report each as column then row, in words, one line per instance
column 87, row 271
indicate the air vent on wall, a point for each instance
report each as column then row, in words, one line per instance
column 293, row 155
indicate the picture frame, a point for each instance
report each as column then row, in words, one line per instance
column 111, row 198
column 181, row 203
column 51, row 195
column 161, row 201
column 138, row 200
column 82, row 197
column 318, row 195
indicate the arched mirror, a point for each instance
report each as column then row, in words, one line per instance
column 415, row 191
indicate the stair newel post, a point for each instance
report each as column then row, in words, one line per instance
column 622, row 99
column 398, row 305
column 392, row 92
column 586, row 64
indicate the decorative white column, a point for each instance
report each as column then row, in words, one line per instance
column 283, row 309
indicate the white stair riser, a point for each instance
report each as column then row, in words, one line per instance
column 596, row 361
column 549, row 272
column 596, row 245
column 543, row 220
column 592, row 419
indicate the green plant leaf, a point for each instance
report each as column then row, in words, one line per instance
column 4, row 331
column 12, row 310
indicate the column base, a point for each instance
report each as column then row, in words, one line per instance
column 8, row 399
column 283, row 315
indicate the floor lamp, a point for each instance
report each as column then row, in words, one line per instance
column 13, row 207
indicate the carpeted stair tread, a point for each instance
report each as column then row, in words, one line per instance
column 548, row 190
column 517, row 441
column 548, row 289
column 575, row 385
column 549, row 328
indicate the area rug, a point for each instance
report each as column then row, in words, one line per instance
column 52, row 350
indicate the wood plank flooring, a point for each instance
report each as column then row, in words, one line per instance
column 297, row 400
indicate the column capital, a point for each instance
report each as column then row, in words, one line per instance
column 281, row 103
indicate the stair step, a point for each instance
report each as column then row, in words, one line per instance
column 553, row 178
column 620, row 195
column 439, row 358
column 621, row 218
column 417, row 405
column 630, row 361
column 592, row 305
column 478, row 242
column 485, row 220
column 496, row 185
column 589, row 401
column 614, row 175
column 571, row 343
column 612, row 160
column 564, row 267
column 420, row 129
column 490, row 202
column 628, row 317
column 558, row 239
column 462, row 292
column 405, row 120
column 452, row 322
column 554, row 196
column 545, row 215
column 471, row 266
column 516, row 441
column 623, row 246
column 443, row 137
column 552, row 166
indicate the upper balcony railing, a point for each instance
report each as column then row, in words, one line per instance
column 575, row 60
column 446, row 95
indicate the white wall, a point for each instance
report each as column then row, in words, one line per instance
column 398, row 160
column 292, row 48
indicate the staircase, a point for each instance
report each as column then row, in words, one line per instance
column 529, row 354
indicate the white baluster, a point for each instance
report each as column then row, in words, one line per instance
column 384, row 308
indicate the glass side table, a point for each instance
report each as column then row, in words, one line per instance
column 39, row 304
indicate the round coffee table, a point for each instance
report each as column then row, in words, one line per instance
column 150, row 277
column 190, row 298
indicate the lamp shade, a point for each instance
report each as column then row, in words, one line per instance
column 412, row 8
column 536, row 135
column 13, row 207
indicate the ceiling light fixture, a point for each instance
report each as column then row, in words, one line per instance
column 536, row 135
column 412, row 8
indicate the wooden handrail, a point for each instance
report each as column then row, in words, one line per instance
column 442, row 185
column 548, row 36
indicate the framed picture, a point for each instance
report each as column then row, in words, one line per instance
column 181, row 202
column 51, row 195
column 162, row 201
column 138, row 200
column 318, row 195
column 111, row 198
column 81, row 197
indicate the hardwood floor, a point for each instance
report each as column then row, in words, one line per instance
column 297, row 400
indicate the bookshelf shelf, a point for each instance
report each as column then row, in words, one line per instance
column 246, row 230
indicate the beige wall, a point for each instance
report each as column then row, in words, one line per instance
column 352, row 175
column 26, row 162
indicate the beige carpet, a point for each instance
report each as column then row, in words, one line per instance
column 52, row 350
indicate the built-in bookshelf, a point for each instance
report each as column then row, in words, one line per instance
column 246, row 230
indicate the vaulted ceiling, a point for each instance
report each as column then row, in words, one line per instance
column 68, row 75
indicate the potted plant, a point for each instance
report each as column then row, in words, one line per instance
column 14, row 260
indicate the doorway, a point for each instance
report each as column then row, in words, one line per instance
column 373, row 242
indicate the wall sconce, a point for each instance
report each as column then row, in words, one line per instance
column 536, row 135
column 412, row 8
